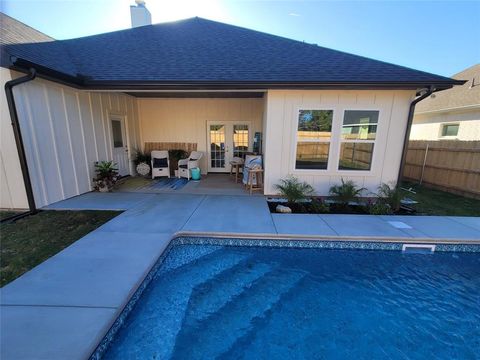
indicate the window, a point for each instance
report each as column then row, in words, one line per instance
column 314, row 132
column 450, row 129
column 117, row 133
column 240, row 140
column 359, row 131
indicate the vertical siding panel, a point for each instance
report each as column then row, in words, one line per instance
column 105, row 109
column 92, row 122
column 99, row 126
column 68, row 121
column 77, row 138
column 34, row 161
column 63, row 155
column 42, row 123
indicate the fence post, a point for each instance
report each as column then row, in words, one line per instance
column 424, row 162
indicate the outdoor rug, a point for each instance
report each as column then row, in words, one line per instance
column 165, row 184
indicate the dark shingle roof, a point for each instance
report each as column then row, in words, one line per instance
column 200, row 51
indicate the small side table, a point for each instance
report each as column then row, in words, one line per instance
column 235, row 166
column 258, row 173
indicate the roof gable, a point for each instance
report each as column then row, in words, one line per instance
column 198, row 51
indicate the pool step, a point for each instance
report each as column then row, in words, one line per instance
column 164, row 303
column 215, row 334
column 209, row 297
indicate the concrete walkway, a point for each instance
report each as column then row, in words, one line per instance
column 62, row 308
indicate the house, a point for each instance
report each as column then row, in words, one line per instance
column 453, row 114
column 322, row 114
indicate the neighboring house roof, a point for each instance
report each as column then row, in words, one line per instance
column 13, row 31
column 459, row 97
column 202, row 52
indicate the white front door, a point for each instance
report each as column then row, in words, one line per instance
column 225, row 141
column 120, row 149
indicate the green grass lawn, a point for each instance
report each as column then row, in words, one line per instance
column 33, row 239
column 435, row 202
column 7, row 213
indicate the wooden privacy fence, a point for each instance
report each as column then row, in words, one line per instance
column 452, row 166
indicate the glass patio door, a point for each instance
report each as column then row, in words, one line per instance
column 225, row 141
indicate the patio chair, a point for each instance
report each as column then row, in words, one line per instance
column 185, row 165
column 160, row 163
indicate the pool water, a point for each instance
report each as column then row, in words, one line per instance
column 210, row 302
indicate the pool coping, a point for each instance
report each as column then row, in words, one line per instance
column 293, row 237
column 227, row 238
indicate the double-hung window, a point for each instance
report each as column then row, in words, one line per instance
column 314, row 132
column 359, row 130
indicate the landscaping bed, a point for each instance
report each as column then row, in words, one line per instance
column 29, row 241
column 298, row 197
column 321, row 206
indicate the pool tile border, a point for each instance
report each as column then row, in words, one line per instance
column 100, row 350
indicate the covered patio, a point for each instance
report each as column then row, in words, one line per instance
column 210, row 184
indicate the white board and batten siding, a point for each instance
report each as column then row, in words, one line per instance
column 65, row 131
column 281, row 117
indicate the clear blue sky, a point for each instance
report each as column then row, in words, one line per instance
column 442, row 37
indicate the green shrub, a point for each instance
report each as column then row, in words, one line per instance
column 346, row 193
column 177, row 154
column 141, row 157
column 380, row 208
column 318, row 206
column 390, row 195
column 294, row 190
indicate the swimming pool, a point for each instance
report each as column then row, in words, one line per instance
column 230, row 302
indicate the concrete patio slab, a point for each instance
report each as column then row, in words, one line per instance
column 231, row 214
column 101, row 270
column 302, row 224
column 163, row 213
column 39, row 332
column 361, row 225
column 100, row 201
column 438, row 226
column 473, row 222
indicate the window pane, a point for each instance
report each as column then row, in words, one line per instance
column 240, row 140
column 314, row 125
column 355, row 156
column 360, row 125
column 217, row 146
column 117, row 134
column 312, row 155
column 450, row 130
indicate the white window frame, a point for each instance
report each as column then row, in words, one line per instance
column 366, row 141
column 295, row 139
column 441, row 136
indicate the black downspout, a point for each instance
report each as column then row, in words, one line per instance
column 18, row 135
column 411, row 111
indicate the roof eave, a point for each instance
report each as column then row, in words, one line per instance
column 86, row 83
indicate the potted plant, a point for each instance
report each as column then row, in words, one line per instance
column 142, row 163
column 107, row 176
column 175, row 155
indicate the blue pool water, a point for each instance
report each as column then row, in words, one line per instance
column 211, row 302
